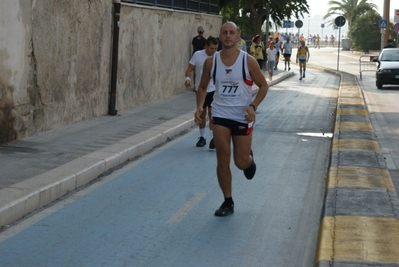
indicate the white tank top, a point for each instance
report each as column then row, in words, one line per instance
column 233, row 88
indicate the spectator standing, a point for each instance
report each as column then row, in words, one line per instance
column 198, row 44
column 256, row 49
column 199, row 41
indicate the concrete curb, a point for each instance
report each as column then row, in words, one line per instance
column 22, row 198
column 359, row 224
column 25, row 197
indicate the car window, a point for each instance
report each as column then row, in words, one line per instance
column 390, row 55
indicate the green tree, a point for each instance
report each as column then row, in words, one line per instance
column 365, row 33
column 349, row 9
column 259, row 10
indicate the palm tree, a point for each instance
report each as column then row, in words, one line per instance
column 349, row 9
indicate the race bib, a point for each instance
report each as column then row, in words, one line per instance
column 229, row 89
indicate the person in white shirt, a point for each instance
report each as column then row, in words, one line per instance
column 287, row 51
column 197, row 63
column 233, row 109
column 272, row 58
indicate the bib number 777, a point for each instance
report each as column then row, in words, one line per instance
column 229, row 88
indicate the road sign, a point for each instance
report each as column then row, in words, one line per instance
column 286, row 24
column 298, row 24
column 382, row 24
column 396, row 17
column 322, row 25
column 396, row 26
column 340, row 21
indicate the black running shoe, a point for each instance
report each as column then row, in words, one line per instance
column 250, row 172
column 304, row 75
column 224, row 210
column 212, row 144
column 201, row 142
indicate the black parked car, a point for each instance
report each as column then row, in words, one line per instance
column 388, row 67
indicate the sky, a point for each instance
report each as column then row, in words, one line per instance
column 320, row 7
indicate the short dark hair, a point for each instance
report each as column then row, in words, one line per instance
column 211, row 40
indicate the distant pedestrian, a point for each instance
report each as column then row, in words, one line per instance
column 277, row 45
column 302, row 57
column 199, row 41
column 389, row 44
column 198, row 44
column 317, row 41
column 256, row 49
column 233, row 109
column 271, row 59
column 242, row 45
column 287, row 51
column 332, row 40
column 196, row 64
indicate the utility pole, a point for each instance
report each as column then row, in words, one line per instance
column 386, row 17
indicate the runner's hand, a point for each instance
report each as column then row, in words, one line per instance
column 197, row 116
column 250, row 117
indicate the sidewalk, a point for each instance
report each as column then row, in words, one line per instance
column 39, row 169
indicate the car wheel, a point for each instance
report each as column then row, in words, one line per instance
column 379, row 85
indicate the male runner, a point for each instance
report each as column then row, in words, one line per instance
column 302, row 56
column 233, row 111
column 197, row 63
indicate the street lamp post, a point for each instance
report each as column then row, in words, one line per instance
column 308, row 29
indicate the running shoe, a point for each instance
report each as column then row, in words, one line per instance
column 224, row 210
column 212, row 144
column 300, row 78
column 304, row 75
column 250, row 172
column 201, row 142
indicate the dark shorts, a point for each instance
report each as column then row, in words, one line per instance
column 287, row 55
column 302, row 61
column 208, row 99
column 237, row 128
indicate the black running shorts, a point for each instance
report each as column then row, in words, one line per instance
column 208, row 99
column 237, row 128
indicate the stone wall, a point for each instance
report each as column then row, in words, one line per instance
column 55, row 60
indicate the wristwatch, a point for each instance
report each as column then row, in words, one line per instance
column 253, row 106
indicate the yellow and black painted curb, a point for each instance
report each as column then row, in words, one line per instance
column 359, row 224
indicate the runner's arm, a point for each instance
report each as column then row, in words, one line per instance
column 189, row 70
column 201, row 92
column 260, row 81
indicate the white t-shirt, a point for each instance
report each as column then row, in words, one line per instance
column 287, row 48
column 198, row 60
column 271, row 54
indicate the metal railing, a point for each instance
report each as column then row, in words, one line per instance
column 204, row 6
column 366, row 63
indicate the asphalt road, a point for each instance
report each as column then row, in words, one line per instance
column 158, row 210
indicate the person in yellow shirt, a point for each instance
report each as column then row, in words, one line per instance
column 242, row 45
column 302, row 56
column 256, row 49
